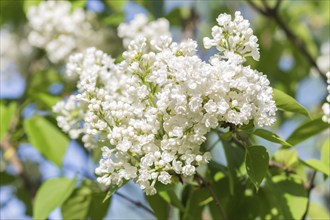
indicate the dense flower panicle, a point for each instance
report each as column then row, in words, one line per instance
column 152, row 111
column 233, row 36
column 140, row 27
column 59, row 30
column 323, row 61
column 326, row 105
column 14, row 51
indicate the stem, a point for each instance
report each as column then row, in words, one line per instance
column 272, row 13
column 271, row 163
column 7, row 145
column 189, row 25
column 136, row 203
column 203, row 183
column 10, row 155
column 310, row 186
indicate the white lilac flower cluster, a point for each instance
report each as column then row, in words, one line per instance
column 152, row 111
column 14, row 51
column 233, row 36
column 141, row 27
column 59, row 30
column 323, row 61
column 326, row 105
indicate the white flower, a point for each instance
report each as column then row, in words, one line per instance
column 164, row 177
column 326, row 106
column 234, row 36
column 139, row 27
column 152, row 111
column 15, row 52
column 59, row 30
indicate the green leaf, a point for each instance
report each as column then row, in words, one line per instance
column 11, row 12
column 155, row 7
column 47, row 138
column 41, row 81
column 196, row 203
column 235, row 158
column 77, row 205
column 51, row 195
column 112, row 189
column 29, row 3
column 287, row 157
column 159, row 206
column 25, row 196
column 307, row 130
column 115, row 5
column 98, row 204
column 291, row 197
column 285, row 102
column 325, row 153
column 83, row 202
column 171, row 197
column 270, row 136
column 6, row 116
column 317, row 165
column 47, row 100
column 317, row 212
column 6, row 179
column 256, row 162
column 75, row 4
column 114, row 19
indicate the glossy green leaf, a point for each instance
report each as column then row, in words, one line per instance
column 47, row 138
column 46, row 100
column 287, row 157
column 51, row 195
column 270, row 136
column 325, row 152
column 6, row 116
column 317, row 165
column 286, row 194
column 307, row 130
column 171, row 197
column 159, row 206
column 317, row 212
column 112, row 189
column 235, row 157
column 256, row 162
column 77, row 205
column 83, row 202
column 285, row 102
column 196, row 203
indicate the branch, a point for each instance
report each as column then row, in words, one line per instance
column 271, row 163
column 278, row 165
column 309, row 187
column 189, row 25
column 10, row 155
column 136, row 203
column 6, row 144
column 257, row 8
column 277, row 6
column 272, row 13
column 203, row 183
